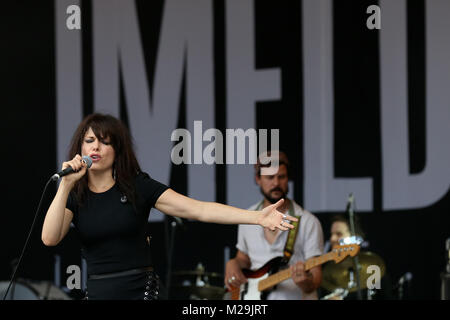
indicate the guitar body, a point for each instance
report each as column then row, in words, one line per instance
column 265, row 279
column 249, row 290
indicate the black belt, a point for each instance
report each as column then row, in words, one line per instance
column 119, row 274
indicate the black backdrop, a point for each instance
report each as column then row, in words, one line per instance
column 408, row 240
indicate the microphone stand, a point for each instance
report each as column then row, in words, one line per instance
column 404, row 280
column 356, row 258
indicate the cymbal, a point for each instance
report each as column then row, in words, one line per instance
column 337, row 275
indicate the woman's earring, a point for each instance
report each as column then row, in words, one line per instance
column 114, row 173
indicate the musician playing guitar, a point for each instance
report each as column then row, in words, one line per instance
column 256, row 246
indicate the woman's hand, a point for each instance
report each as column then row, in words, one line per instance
column 274, row 219
column 78, row 166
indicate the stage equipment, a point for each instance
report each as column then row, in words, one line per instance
column 342, row 275
column 197, row 285
column 33, row 290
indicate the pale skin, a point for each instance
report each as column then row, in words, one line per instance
column 58, row 218
column 270, row 186
column 339, row 230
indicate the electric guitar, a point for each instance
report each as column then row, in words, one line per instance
column 263, row 280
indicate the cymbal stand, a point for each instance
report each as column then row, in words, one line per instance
column 352, row 230
column 370, row 294
column 351, row 281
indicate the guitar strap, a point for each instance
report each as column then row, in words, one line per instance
column 289, row 246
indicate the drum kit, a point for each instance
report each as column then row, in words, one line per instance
column 338, row 279
column 23, row 289
column 341, row 279
column 197, row 285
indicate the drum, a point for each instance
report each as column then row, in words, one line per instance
column 32, row 290
column 18, row 291
column 197, row 285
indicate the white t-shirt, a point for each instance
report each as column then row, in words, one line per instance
column 309, row 243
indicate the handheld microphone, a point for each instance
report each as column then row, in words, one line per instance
column 86, row 159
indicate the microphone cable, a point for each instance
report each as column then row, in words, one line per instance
column 26, row 242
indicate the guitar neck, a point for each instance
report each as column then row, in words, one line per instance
column 282, row 275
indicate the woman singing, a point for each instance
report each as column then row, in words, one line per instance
column 109, row 205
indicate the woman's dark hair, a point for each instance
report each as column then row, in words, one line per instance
column 125, row 167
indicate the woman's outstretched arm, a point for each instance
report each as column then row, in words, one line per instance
column 175, row 204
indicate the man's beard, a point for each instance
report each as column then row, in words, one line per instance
column 271, row 199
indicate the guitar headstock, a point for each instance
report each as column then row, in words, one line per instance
column 342, row 252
